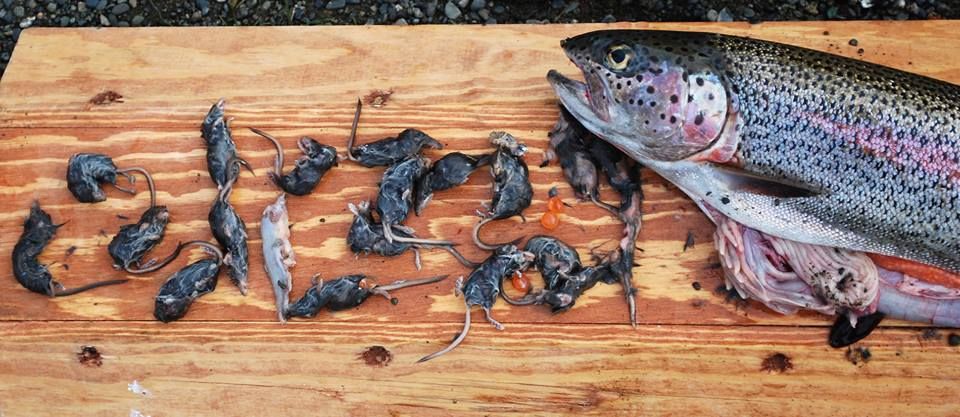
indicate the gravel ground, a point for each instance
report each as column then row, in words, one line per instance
column 18, row 15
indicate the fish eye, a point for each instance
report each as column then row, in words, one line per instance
column 618, row 57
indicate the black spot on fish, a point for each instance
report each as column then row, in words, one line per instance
column 724, row 200
column 698, row 120
column 650, row 90
column 700, row 81
column 674, row 98
column 673, row 119
column 653, row 104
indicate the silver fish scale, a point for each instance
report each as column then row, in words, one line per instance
column 881, row 145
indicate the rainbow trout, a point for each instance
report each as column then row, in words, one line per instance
column 813, row 166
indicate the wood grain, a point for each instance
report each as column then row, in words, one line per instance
column 695, row 353
column 546, row 369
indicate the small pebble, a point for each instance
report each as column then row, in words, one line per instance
column 953, row 339
column 451, row 11
column 18, row 11
column 336, row 4
column 725, row 15
column 120, row 9
column 137, row 20
column 104, row 21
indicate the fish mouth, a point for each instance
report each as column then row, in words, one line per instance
column 575, row 96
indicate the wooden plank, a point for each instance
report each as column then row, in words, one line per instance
column 665, row 275
column 156, row 126
column 473, row 77
column 317, row 368
column 694, row 353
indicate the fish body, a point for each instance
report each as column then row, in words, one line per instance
column 278, row 253
column 813, row 160
column 875, row 149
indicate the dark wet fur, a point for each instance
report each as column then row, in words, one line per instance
column 221, row 151
column 450, row 171
column 631, row 197
column 85, row 172
column 554, row 259
column 347, row 292
column 570, row 143
column 397, row 189
column 231, row 232
column 309, row 169
column 366, row 236
column 565, row 278
column 512, row 191
column 339, row 294
column 483, row 286
column 179, row 292
column 38, row 231
column 389, row 151
column 133, row 241
column 842, row 334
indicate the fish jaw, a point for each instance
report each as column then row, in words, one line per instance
column 575, row 97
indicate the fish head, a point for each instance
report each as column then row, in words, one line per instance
column 655, row 95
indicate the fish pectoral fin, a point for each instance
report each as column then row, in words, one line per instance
column 739, row 180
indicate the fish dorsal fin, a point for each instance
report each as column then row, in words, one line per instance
column 742, row 181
